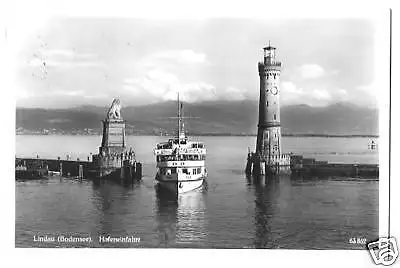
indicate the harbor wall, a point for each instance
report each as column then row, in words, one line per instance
column 300, row 165
column 83, row 169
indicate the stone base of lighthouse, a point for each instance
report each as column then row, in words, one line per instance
column 258, row 165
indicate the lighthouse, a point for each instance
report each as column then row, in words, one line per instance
column 268, row 157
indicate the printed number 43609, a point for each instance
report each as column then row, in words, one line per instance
column 357, row 240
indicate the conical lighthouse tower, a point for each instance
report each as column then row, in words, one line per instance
column 269, row 155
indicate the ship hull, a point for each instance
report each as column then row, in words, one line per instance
column 181, row 186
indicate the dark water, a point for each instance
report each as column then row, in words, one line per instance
column 231, row 211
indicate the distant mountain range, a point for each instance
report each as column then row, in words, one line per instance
column 206, row 118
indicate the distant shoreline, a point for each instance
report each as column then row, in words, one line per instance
column 216, row 135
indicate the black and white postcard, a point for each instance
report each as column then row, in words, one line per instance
column 206, row 130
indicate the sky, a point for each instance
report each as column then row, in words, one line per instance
column 72, row 61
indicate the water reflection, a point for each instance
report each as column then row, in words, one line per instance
column 181, row 220
column 166, row 217
column 192, row 218
column 268, row 191
column 112, row 202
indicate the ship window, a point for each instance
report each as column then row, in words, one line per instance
column 185, row 171
column 194, row 171
column 198, row 170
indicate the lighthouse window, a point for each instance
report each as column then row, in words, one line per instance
column 267, row 103
column 274, row 116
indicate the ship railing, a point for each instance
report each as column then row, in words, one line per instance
column 180, row 151
column 166, row 158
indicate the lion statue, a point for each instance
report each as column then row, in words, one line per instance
column 115, row 110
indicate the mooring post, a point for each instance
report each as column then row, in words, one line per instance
column 262, row 165
column 249, row 163
column 122, row 172
column 130, row 172
column 138, row 169
column 61, row 169
column 80, row 175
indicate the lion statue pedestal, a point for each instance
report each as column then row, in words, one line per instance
column 113, row 141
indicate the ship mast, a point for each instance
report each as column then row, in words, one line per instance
column 179, row 120
column 181, row 124
column 179, row 127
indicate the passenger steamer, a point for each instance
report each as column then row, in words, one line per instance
column 180, row 162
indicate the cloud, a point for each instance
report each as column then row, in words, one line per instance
column 290, row 88
column 22, row 93
column 369, row 89
column 234, row 93
column 321, row 94
column 69, row 92
column 163, row 74
column 64, row 58
column 310, row 71
column 292, row 94
column 186, row 56
column 163, row 85
column 96, row 96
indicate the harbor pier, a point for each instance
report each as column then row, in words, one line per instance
column 113, row 161
column 36, row 168
column 312, row 167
